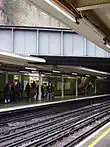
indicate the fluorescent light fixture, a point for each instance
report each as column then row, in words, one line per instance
column 43, row 75
column 98, row 77
column 60, row 10
column 74, row 74
column 31, row 74
column 87, row 75
column 56, row 71
column 71, row 77
column 34, row 71
column 23, row 71
column 34, row 75
column 107, row 45
column 101, row 78
column 30, row 68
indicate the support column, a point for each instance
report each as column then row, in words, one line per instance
column 6, row 78
column 95, row 87
column 40, row 84
column 62, row 86
column 76, row 87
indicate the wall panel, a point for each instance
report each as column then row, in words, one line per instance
column 6, row 40
column 44, row 41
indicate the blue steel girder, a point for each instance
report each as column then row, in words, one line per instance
column 47, row 41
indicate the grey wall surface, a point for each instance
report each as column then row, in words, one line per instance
column 24, row 13
column 43, row 41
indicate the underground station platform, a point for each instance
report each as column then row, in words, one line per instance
column 79, row 108
column 55, row 73
column 10, row 108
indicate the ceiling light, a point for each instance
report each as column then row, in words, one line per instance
column 34, row 71
column 34, row 75
column 98, row 77
column 87, row 75
column 22, row 71
column 43, row 75
column 107, row 45
column 107, row 42
column 61, row 10
column 56, row 71
column 74, row 74
column 30, row 68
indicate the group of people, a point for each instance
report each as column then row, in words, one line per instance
column 13, row 91
column 32, row 91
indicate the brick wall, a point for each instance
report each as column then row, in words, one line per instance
column 21, row 12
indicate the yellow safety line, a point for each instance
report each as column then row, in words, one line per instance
column 99, row 138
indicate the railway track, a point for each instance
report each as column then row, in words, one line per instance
column 33, row 114
column 50, row 129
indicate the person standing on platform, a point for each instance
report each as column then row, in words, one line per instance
column 7, row 93
column 37, row 91
column 33, row 92
column 13, row 91
column 42, row 91
column 17, row 90
column 49, row 92
column 21, row 90
column 28, row 90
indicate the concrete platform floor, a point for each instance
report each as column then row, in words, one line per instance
column 25, row 102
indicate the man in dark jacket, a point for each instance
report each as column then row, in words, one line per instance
column 13, row 91
column 27, row 90
column 49, row 92
column 7, row 93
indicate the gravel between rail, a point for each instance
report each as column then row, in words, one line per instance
column 52, row 128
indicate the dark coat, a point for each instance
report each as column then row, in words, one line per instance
column 50, row 89
column 7, row 92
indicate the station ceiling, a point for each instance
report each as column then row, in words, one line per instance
column 72, row 66
column 76, row 64
column 93, row 17
column 97, row 12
